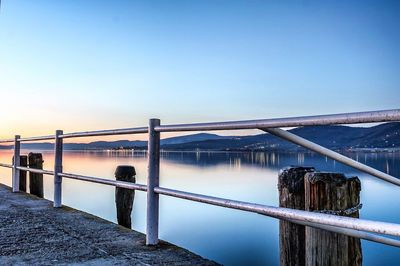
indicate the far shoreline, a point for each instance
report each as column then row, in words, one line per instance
column 355, row 150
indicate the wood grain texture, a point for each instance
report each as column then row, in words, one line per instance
column 326, row 192
column 35, row 180
column 291, row 195
column 124, row 197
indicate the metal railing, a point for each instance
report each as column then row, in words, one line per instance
column 360, row 228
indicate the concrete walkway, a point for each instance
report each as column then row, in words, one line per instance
column 32, row 232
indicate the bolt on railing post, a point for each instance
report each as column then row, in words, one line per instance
column 15, row 174
column 58, row 152
column 153, row 181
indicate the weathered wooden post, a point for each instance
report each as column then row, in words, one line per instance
column 124, row 197
column 23, row 161
column 332, row 193
column 291, row 195
column 35, row 179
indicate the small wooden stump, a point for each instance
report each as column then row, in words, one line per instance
column 291, row 195
column 124, row 197
column 332, row 193
column 23, row 161
column 35, row 180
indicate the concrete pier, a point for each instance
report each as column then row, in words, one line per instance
column 32, row 232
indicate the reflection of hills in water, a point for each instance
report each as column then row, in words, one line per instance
column 386, row 162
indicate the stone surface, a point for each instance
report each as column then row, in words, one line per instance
column 32, row 232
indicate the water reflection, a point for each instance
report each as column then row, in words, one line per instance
column 383, row 161
column 227, row 236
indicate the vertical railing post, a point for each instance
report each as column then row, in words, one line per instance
column 153, row 181
column 58, row 152
column 15, row 174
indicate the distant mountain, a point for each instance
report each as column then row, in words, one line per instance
column 333, row 137
column 98, row 145
column 192, row 138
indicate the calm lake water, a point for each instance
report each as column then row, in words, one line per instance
column 227, row 236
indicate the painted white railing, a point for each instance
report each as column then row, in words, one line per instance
column 344, row 225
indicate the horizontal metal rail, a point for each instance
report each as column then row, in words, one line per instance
column 331, row 154
column 50, row 137
column 352, row 233
column 34, row 170
column 348, row 118
column 6, row 165
column 120, row 184
column 122, row 131
column 286, row 213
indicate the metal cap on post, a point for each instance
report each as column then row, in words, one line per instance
column 153, row 181
column 15, row 174
column 58, row 151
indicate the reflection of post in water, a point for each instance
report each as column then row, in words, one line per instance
column 387, row 166
column 273, row 158
column 300, row 158
column 198, row 156
column 333, row 193
column 261, row 158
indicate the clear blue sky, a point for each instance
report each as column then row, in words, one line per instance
column 81, row 65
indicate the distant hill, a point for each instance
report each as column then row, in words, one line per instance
column 98, row 145
column 192, row 138
column 333, row 137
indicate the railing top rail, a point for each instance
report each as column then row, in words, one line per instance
column 344, row 118
column 120, row 131
column 50, row 137
column 107, row 132
column 6, row 140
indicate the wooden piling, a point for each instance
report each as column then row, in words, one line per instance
column 124, row 197
column 291, row 195
column 332, row 193
column 23, row 161
column 35, row 179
